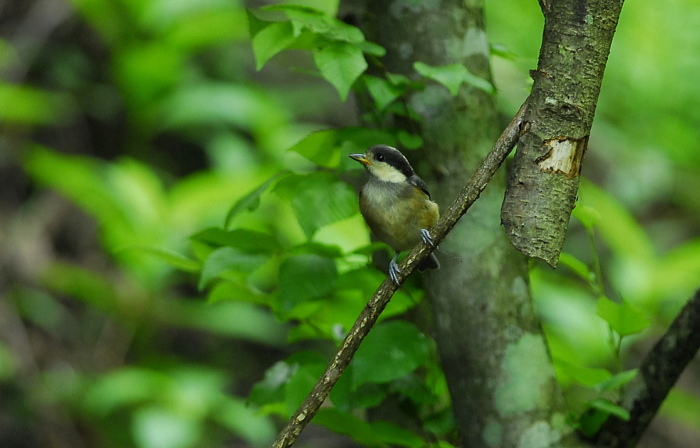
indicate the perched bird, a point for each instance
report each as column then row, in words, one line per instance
column 396, row 204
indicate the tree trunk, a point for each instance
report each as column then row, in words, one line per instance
column 491, row 344
column 543, row 182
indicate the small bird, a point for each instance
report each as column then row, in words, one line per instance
column 396, row 204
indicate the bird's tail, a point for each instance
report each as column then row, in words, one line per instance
column 429, row 263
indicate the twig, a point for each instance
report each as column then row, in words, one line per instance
column 469, row 194
column 657, row 375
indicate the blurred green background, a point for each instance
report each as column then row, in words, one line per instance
column 138, row 308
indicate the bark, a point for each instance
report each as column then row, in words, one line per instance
column 543, row 182
column 491, row 344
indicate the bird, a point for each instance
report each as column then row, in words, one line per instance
column 396, row 204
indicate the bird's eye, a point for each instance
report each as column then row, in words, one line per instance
column 380, row 157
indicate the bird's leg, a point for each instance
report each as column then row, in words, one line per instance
column 427, row 239
column 394, row 269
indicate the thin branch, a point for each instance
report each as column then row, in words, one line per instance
column 657, row 375
column 469, row 194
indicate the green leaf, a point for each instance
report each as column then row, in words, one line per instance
column 271, row 388
column 503, row 52
column 605, row 405
column 122, row 388
column 305, row 277
column 340, row 64
column 251, row 201
column 255, row 24
column 28, row 105
column 410, row 141
column 315, row 248
column 586, row 376
column 330, row 7
column 577, row 266
column 623, row 318
column 317, row 22
column 371, row 48
column 228, row 260
column 240, row 418
column 172, row 258
column 271, row 40
column 394, row 435
column 682, row 406
column 346, row 423
column 620, row 230
column 155, row 427
column 453, row 76
column 320, row 147
column 318, row 199
column 245, row 240
column 382, row 91
column 588, row 216
column 208, row 28
column 390, row 351
column 591, row 421
column 300, row 384
column 616, row 381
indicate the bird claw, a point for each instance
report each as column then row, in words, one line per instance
column 394, row 271
column 427, row 239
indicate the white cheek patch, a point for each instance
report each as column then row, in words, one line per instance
column 387, row 173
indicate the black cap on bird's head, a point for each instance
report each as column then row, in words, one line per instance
column 386, row 163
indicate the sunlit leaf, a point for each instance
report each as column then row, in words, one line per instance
column 29, row 105
column 251, row 201
column 621, row 231
column 410, row 141
column 605, row 405
column 586, row 376
column 229, row 260
column 382, row 91
column 121, row 388
column 340, row 64
column 318, row 199
column 270, row 40
column 623, row 318
column 305, row 277
column 371, row 48
column 453, row 76
column 245, row 421
column 617, row 381
column 208, row 28
column 156, row 427
column 300, row 384
column 304, row 18
column 245, row 240
column 271, row 388
column 390, row 351
column 320, row 147
column 577, row 266
column 172, row 258
column 502, row 51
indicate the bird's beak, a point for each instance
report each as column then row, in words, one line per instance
column 360, row 158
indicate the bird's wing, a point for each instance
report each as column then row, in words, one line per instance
column 418, row 182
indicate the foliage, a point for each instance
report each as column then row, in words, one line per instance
column 244, row 219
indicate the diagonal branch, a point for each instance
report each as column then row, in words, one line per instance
column 469, row 194
column 657, row 375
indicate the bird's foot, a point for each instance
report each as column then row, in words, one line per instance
column 427, row 239
column 394, row 271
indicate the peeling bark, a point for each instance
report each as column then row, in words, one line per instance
column 543, row 181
